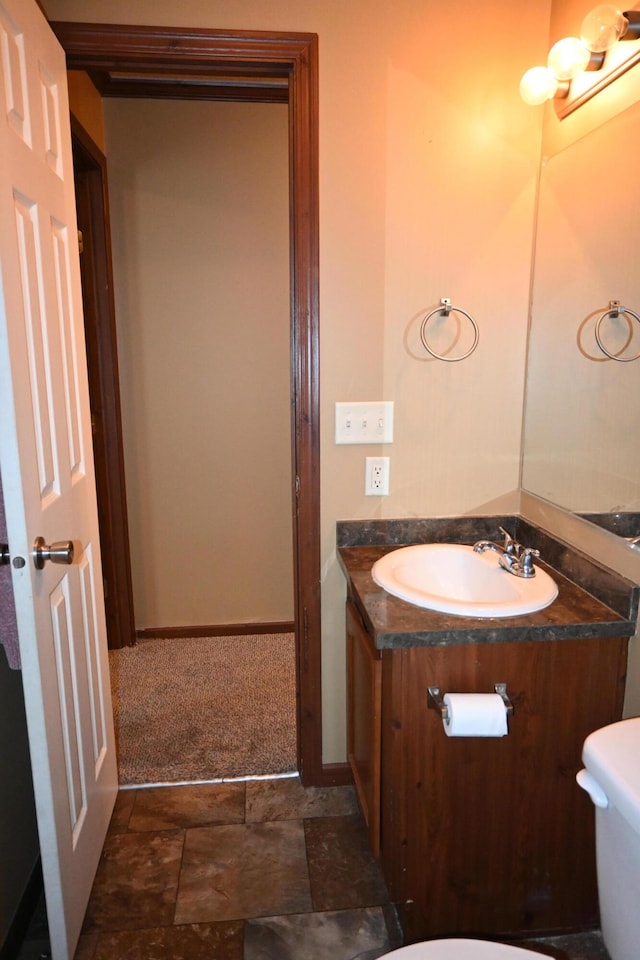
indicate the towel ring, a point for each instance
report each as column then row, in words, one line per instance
column 615, row 309
column 444, row 310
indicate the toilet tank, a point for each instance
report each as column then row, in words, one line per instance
column 611, row 756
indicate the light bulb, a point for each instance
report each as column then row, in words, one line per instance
column 568, row 58
column 602, row 28
column 537, row 85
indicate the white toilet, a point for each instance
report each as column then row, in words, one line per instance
column 612, row 779
column 461, row 950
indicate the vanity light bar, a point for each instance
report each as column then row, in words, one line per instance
column 569, row 58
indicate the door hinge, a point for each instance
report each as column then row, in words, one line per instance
column 80, row 242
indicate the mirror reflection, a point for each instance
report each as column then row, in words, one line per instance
column 582, row 442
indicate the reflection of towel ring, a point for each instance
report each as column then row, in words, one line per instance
column 444, row 310
column 615, row 309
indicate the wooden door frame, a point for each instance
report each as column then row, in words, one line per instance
column 92, row 204
column 159, row 51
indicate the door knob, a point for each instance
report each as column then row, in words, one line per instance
column 59, row 552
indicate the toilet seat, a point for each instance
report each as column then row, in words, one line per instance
column 461, row 950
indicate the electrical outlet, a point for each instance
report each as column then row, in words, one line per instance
column 376, row 476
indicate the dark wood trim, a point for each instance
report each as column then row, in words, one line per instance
column 151, row 86
column 216, row 630
column 295, row 56
column 335, row 775
column 303, row 162
column 196, row 50
column 92, row 202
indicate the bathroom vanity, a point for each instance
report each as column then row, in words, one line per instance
column 482, row 836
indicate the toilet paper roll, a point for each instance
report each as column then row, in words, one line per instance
column 475, row 715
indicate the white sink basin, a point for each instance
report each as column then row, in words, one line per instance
column 453, row 578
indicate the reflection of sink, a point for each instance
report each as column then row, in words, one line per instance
column 452, row 578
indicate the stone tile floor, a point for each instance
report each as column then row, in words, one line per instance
column 263, row 870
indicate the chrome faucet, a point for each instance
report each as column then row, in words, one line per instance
column 510, row 547
column 514, row 558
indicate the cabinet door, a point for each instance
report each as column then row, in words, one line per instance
column 492, row 836
column 363, row 729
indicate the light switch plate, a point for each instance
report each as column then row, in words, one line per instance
column 364, row 422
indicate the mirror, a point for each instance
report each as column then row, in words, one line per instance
column 582, row 413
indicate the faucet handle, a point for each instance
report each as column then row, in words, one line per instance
column 511, row 547
column 526, row 561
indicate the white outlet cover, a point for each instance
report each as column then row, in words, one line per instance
column 376, row 482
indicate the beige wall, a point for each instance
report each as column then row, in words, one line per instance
column 428, row 163
column 200, row 232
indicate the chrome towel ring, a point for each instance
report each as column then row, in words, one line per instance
column 444, row 310
column 615, row 309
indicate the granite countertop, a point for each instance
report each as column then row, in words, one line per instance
column 608, row 608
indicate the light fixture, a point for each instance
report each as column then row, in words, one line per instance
column 602, row 28
column 537, row 85
column 571, row 57
column 568, row 58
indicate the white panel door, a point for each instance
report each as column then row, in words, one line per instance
column 47, row 470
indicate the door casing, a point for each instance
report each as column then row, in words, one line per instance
column 147, row 54
column 92, row 206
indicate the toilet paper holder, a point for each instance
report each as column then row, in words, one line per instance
column 435, row 700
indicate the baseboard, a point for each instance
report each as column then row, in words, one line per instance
column 214, row 630
column 335, row 775
column 22, row 918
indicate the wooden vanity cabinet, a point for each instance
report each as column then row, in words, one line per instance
column 364, row 674
column 482, row 836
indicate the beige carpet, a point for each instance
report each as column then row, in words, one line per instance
column 204, row 708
